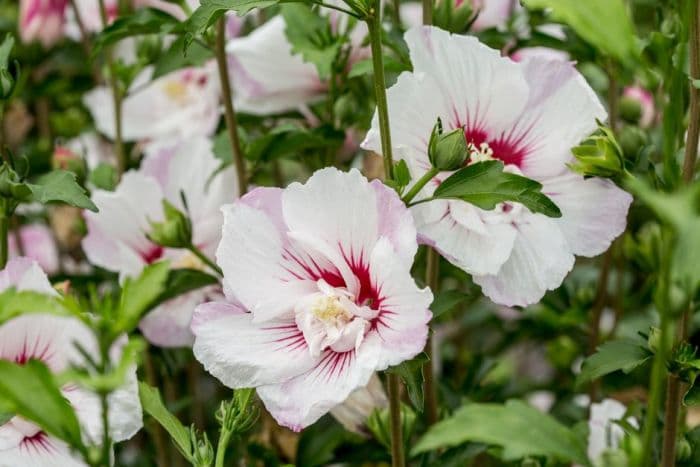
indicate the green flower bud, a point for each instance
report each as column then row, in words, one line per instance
column 632, row 140
column 654, row 339
column 175, row 231
column 447, row 151
column 614, row 458
column 453, row 18
column 240, row 413
column 599, row 156
column 7, row 84
column 202, row 450
column 630, row 109
column 683, row 450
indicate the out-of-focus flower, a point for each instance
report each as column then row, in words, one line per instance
column 354, row 412
column 42, row 20
column 93, row 149
column 491, row 13
column 324, row 269
column 117, row 238
column 645, row 100
column 179, row 105
column 527, row 115
column 36, row 242
column 52, row 340
column 603, row 433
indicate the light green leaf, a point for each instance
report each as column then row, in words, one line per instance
column 139, row 295
column 14, row 303
column 5, row 49
column 32, row 393
column 311, row 36
column 619, row 354
column 181, row 281
column 364, row 67
column 61, row 186
column 485, row 184
column 153, row 405
column 211, row 10
column 142, row 21
column 519, row 429
column 604, row 24
column 448, row 300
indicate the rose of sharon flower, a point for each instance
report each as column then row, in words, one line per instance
column 181, row 104
column 36, row 242
column 42, row 20
column 324, row 269
column 117, row 241
column 52, row 340
column 527, row 115
column 603, row 433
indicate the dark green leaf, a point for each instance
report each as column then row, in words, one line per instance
column 139, row 295
column 317, row 443
column 619, row 354
column 519, row 429
column 485, row 184
column 447, row 301
column 284, row 141
column 605, row 24
column 311, row 36
column 61, row 186
column 5, row 417
column 181, row 281
column 153, row 405
column 364, row 67
column 211, row 10
column 177, row 57
column 411, row 372
column 142, row 21
column 692, row 396
column 32, row 393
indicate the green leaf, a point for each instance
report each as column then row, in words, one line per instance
column 5, row 417
column 142, row 21
column 139, row 295
column 519, row 429
column 61, row 186
column 176, row 57
column 411, row 372
column 5, row 49
column 32, row 393
column 14, row 303
column 153, row 405
column 181, row 281
column 311, row 36
column 620, row 354
column 604, row 24
column 211, row 10
column 485, row 184
column 448, row 301
column 364, row 67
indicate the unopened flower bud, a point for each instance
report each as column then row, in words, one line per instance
column 7, row 84
column 65, row 159
column 202, row 450
column 453, row 15
column 240, row 413
column 447, row 151
column 632, row 140
column 599, row 156
column 175, row 231
column 637, row 106
column 683, row 450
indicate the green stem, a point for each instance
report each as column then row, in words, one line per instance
column 4, row 230
column 374, row 23
column 418, row 186
column 203, row 258
column 432, row 263
column 104, row 403
column 224, row 439
column 427, row 12
column 658, row 377
column 229, row 112
column 337, row 8
column 116, row 102
column 394, row 389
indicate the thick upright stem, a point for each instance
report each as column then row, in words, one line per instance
column 397, row 454
column 116, row 102
column 4, row 231
column 427, row 12
column 229, row 112
column 374, row 23
column 431, row 398
column 224, row 440
column 674, row 385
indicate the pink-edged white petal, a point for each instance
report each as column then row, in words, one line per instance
column 301, row 401
column 181, row 104
column 270, row 79
column 116, row 237
column 594, row 211
column 540, row 260
column 38, row 451
column 491, row 13
column 242, row 353
column 25, row 274
column 37, row 242
column 402, row 324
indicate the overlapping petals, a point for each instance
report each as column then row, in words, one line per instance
column 526, row 114
column 52, row 339
column 321, row 276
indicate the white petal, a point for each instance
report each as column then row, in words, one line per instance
column 540, row 260
column 243, row 354
column 25, row 274
column 44, row 452
column 594, row 211
column 301, row 401
column 267, row 78
column 601, row 427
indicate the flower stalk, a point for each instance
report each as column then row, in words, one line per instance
column 432, row 264
column 374, row 24
column 674, row 386
column 229, row 111
column 418, row 186
column 397, row 451
column 4, row 231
